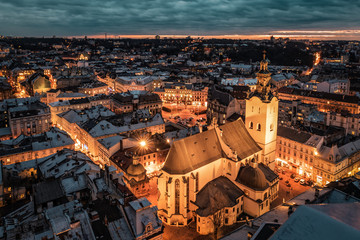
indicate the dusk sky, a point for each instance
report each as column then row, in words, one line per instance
column 296, row 18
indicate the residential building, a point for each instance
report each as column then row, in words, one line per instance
column 25, row 116
column 324, row 101
column 133, row 100
column 94, row 88
column 25, row 148
column 183, row 93
column 223, row 104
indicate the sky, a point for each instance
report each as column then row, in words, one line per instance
column 329, row 19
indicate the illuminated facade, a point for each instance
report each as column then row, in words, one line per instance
column 231, row 151
column 296, row 150
column 326, row 102
column 261, row 115
column 180, row 93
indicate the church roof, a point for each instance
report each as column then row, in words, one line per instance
column 238, row 139
column 215, row 195
column 193, row 152
column 252, row 177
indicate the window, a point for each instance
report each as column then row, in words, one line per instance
column 197, row 182
column 271, row 127
column 229, row 168
column 226, row 220
column 258, row 127
column 251, row 125
column 177, row 196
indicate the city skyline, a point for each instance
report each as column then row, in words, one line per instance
column 213, row 19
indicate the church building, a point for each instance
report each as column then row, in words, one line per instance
column 216, row 176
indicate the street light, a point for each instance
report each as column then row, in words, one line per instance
column 142, row 143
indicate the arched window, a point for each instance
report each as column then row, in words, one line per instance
column 258, row 127
column 229, row 168
column 197, row 182
column 271, row 127
column 252, row 109
column 251, row 125
column 177, row 196
column 265, row 196
column 259, row 110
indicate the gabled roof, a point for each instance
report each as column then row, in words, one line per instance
column 238, row 139
column 310, row 223
column 217, row 194
column 193, row 152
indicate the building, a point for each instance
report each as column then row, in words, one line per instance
column 151, row 155
column 227, row 154
column 183, row 93
column 67, row 120
column 55, row 95
column 350, row 122
column 223, row 104
column 68, row 220
column 326, row 102
column 314, row 157
column 82, row 103
column 140, row 221
column 37, row 83
column 25, row 148
column 334, row 162
column 94, row 88
column 134, row 100
column 334, row 86
column 294, row 112
column 140, row 122
column 131, row 83
column 25, row 116
column 6, row 90
column 296, row 150
column 261, row 115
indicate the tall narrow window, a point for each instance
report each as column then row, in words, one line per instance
column 187, row 193
column 177, row 196
column 197, row 182
column 258, row 127
column 229, row 168
column 251, row 125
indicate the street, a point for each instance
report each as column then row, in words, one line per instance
column 286, row 193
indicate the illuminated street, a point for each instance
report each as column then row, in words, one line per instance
column 185, row 113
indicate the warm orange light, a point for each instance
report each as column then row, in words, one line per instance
column 142, row 143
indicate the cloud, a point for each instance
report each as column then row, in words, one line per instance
column 195, row 17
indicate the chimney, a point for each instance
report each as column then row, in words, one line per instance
column 121, row 145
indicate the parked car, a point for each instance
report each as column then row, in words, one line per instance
column 287, row 181
column 278, row 170
column 283, row 171
column 302, row 182
column 293, row 175
column 288, row 185
column 309, row 183
column 280, row 178
column 296, row 179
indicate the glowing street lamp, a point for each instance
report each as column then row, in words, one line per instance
column 142, row 143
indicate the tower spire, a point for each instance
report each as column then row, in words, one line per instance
column 263, row 77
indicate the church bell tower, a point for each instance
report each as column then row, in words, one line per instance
column 261, row 115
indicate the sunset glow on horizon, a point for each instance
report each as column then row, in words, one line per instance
column 293, row 34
